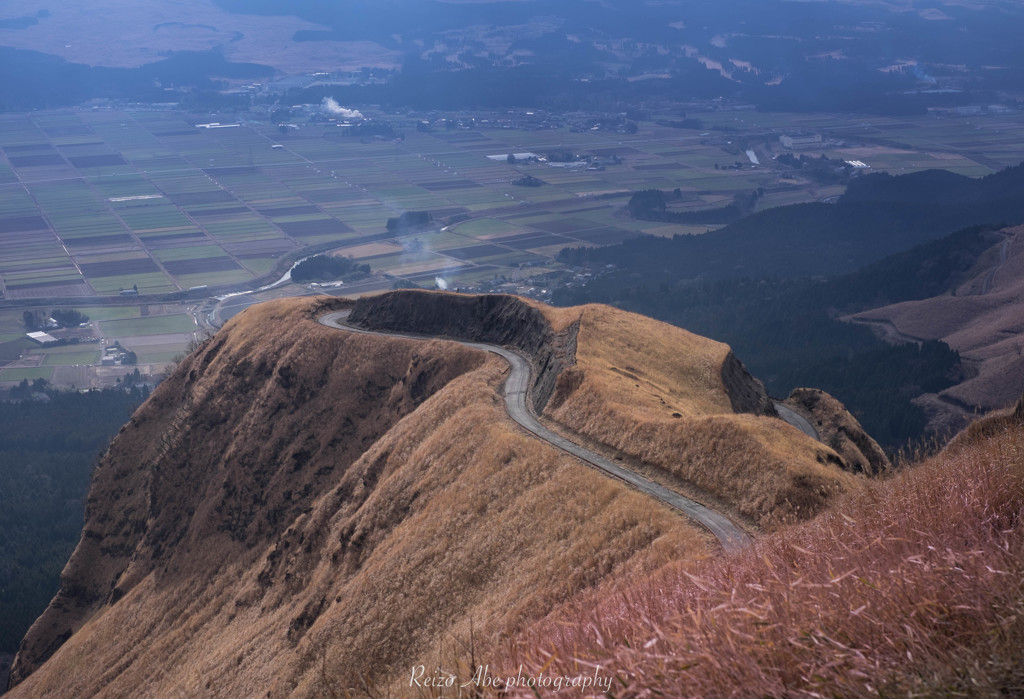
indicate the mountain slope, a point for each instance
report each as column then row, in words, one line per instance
column 911, row 586
column 676, row 406
column 878, row 215
column 981, row 318
column 298, row 510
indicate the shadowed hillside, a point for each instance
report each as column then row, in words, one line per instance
column 299, row 509
column 980, row 317
column 877, row 216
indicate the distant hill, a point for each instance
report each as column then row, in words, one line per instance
column 448, row 55
column 981, row 317
column 878, row 215
column 940, row 187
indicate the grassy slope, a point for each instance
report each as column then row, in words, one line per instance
column 910, row 586
column 633, row 374
column 302, row 510
column 983, row 327
column 256, row 554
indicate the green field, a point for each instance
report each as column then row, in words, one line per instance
column 148, row 188
column 15, row 347
column 155, row 283
column 108, row 312
column 153, row 325
column 31, row 374
column 65, row 358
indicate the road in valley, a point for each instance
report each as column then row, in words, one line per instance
column 517, row 384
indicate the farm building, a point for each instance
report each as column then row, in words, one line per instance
column 42, row 338
column 802, row 141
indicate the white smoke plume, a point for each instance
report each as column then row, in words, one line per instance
column 331, row 106
column 440, row 283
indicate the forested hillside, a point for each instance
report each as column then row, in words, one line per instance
column 48, row 446
column 878, row 216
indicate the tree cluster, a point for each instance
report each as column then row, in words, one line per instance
column 65, row 317
column 68, row 317
column 327, row 268
column 408, row 220
column 695, row 124
column 652, row 205
column 822, row 169
column 528, row 181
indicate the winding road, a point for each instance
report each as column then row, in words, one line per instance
column 797, row 420
column 517, row 384
column 1004, row 249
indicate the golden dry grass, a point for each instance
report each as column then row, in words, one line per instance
column 303, row 555
column 302, row 511
column 911, row 586
column 654, row 392
column 649, row 368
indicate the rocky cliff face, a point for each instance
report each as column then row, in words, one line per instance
column 508, row 320
column 840, row 430
column 746, row 394
column 496, row 319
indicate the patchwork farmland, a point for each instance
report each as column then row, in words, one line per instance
column 96, row 202
column 98, row 206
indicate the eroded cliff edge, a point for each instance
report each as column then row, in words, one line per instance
column 495, row 319
column 517, row 322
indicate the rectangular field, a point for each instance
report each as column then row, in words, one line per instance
column 92, row 202
column 153, row 325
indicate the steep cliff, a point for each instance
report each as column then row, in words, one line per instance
column 840, row 430
column 497, row 319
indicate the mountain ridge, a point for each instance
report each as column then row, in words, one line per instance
column 359, row 487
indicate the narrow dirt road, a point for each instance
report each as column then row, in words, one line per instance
column 516, row 385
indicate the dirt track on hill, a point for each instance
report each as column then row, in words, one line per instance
column 728, row 534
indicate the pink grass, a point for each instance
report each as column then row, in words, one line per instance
column 913, row 586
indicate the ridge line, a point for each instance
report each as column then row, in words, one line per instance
column 730, row 536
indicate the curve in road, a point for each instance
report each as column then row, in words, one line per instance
column 797, row 420
column 517, row 384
